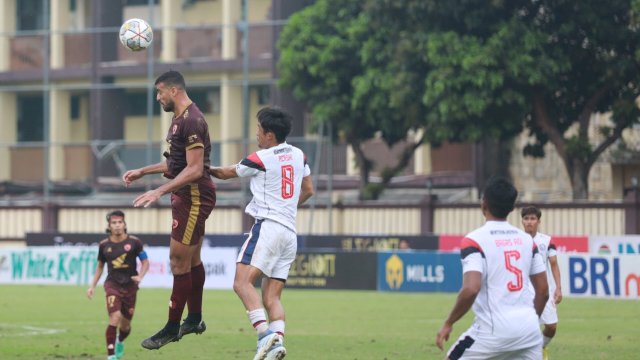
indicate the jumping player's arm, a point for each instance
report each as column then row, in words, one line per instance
column 471, row 282
column 306, row 190
column 96, row 277
column 223, row 173
column 555, row 271
column 192, row 172
column 135, row 174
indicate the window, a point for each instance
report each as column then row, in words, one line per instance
column 30, row 118
column 141, row 2
column 208, row 101
column 30, row 14
column 263, row 93
column 137, row 104
column 75, row 107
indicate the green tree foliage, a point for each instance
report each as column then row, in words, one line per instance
column 468, row 70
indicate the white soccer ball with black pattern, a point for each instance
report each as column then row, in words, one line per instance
column 136, row 34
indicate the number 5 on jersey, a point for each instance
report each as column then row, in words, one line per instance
column 515, row 255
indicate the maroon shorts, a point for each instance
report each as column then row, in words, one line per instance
column 190, row 208
column 121, row 298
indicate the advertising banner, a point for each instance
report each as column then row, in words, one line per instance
column 564, row 243
column 606, row 276
column 615, row 245
column 333, row 270
column 372, row 243
column 75, row 265
column 93, row 239
column 423, row 271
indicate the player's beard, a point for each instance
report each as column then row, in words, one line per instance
column 168, row 107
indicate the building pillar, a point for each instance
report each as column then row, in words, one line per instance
column 59, row 21
column 59, row 131
column 171, row 11
column 9, row 133
column 230, row 16
column 632, row 211
column 231, row 121
column 7, row 26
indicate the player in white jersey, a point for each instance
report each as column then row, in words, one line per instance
column 280, row 182
column 498, row 262
column 547, row 248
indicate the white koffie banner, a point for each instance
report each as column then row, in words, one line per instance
column 75, row 265
column 48, row 265
column 604, row 276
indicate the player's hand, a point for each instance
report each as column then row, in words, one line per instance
column 136, row 278
column 557, row 296
column 147, row 198
column 443, row 335
column 90, row 293
column 131, row 176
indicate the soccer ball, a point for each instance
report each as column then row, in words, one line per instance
column 136, row 34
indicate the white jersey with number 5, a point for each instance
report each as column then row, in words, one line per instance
column 505, row 256
column 276, row 177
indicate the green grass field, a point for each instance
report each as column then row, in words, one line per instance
column 320, row 325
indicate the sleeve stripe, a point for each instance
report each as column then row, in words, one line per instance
column 193, row 146
column 253, row 161
column 468, row 247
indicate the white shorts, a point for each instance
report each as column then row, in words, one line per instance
column 470, row 347
column 270, row 247
column 550, row 313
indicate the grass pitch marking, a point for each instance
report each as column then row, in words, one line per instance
column 9, row 330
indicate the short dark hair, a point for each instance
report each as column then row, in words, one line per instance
column 276, row 120
column 531, row 210
column 500, row 196
column 171, row 78
column 118, row 213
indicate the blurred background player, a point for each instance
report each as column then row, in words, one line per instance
column 498, row 260
column 280, row 182
column 119, row 252
column 531, row 221
column 193, row 197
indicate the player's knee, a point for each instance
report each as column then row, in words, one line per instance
column 270, row 302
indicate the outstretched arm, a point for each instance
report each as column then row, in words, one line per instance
column 135, row 174
column 223, row 173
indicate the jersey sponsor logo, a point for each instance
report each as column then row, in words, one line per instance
column 192, row 138
column 282, row 150
column 503, row 232
column 186, row 114
column 118, row 263
column 394, row 272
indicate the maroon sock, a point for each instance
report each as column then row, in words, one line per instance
column 110, row 334
column 123, row 334
column 179, row 296
column 197, row 285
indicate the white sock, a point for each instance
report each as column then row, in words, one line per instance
column 277, row 326
column 545, row 341
column 258, row 320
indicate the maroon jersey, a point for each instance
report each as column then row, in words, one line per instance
column 187, row 131
column 120, row 258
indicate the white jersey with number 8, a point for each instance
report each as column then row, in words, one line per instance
column 276, row 177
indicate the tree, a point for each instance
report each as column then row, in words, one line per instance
column 552, row 63
column 324, row 63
